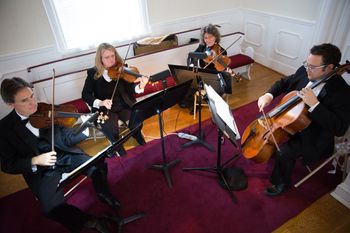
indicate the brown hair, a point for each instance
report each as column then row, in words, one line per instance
column 10, row 87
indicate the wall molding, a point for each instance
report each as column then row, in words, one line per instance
column 269, row 47
column 278, row 45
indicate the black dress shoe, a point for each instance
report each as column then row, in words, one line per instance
column 140, row 139
column 99, row 224
column 110, row 201
column 276, row 190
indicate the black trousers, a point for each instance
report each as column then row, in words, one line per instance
column 285, row 161
column 52, row 200
column 111, row 128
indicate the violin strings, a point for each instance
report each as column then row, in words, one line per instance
column 222, row 52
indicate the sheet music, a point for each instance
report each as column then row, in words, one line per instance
column 223, row 110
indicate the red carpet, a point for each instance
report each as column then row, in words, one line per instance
column 195, row 204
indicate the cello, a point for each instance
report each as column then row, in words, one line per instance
column 261, row 137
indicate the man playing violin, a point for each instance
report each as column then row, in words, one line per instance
column 28, row 151
column 328, row 109
column 99, row 89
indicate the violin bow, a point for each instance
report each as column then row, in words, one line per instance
column 268, row 127
column 217, row 55
column 52, row 114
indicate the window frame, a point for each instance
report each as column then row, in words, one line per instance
column 59, row 36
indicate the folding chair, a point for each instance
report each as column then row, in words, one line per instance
column 342, row 149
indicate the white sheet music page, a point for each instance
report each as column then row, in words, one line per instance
column 223, row 110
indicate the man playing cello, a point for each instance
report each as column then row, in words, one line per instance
column 328, row 109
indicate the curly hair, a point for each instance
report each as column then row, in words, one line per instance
column 213, row 30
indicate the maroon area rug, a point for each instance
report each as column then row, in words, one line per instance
column 195, row 204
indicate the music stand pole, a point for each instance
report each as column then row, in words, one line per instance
column 165, row 166
column 223, row 125
column 200, row 136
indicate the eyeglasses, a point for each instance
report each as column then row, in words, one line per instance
column 311, row 68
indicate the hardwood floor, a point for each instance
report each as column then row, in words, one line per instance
column 174, row 118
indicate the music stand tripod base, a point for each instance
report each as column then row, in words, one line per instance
column 122, row 221
column 165, row 168
column 198, row 141
column 155, row 105
column 218, row 169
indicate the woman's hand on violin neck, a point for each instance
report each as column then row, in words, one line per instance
column 264, row 101
column 45, row 159
column 142, row 81
column 107, row 103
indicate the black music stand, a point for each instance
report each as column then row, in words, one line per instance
column 223, row 119
column 156, row 104
column 68, row 177
column 220, row 81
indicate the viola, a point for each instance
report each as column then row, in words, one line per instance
column 221, row 62
column 129, row 74
column 290, row 116
column 64, row 115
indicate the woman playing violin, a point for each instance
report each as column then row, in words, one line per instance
column 328, row 109
column 217, row 60
column 210, row 39
column 99, row 88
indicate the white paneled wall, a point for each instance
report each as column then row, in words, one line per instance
column 281, row 43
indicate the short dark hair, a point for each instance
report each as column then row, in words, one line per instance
column 329, row 52
column 10, row 87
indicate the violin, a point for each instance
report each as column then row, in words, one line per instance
column 64, row 115
column 129, row 74
column 221, row 62
column 260, row 139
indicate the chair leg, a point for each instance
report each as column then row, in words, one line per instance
column 94, row 133
column 195, row 106
column 74, row 187
column 345, row 165
column 315, row 170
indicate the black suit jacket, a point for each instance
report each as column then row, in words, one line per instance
column 329, row 119
column 100, row 89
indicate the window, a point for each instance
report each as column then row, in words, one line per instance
column 83, row 24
